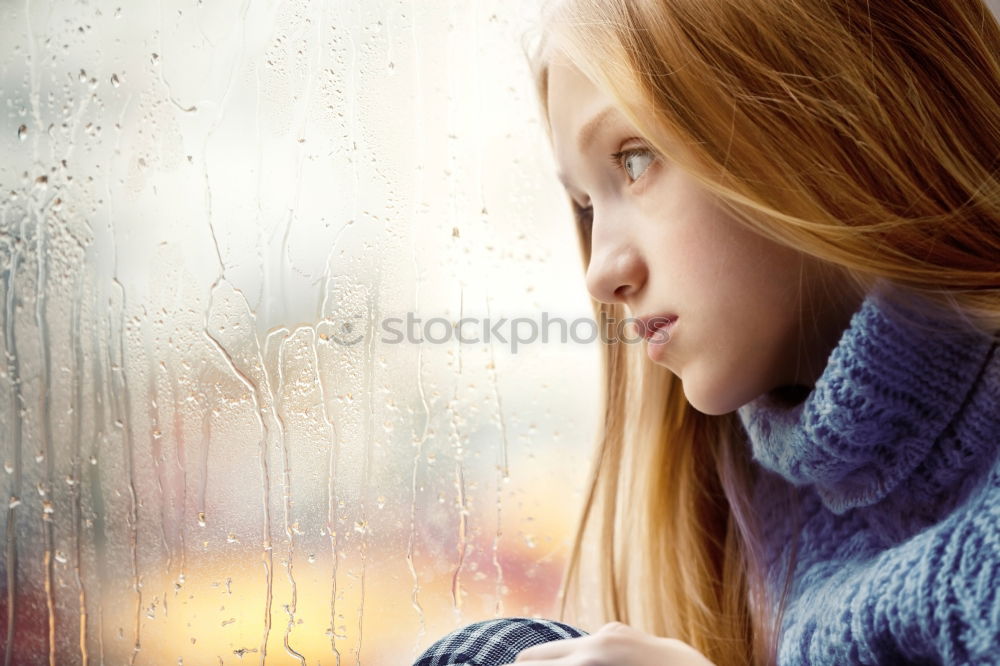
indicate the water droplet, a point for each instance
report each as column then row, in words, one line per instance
column 47, row 507
column 83, row 76
column 311, row 558
column 361, row 526
column 155, row 59
column 8, row 466
column 22, row 132
column 61, row 557
column 115, row 81
column 201, row 519
column 14, row 501
column 380, row 501
column 231, row 538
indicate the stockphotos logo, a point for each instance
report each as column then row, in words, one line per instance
column 350, row 330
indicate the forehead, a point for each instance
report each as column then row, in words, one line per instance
column 577, row 109
column 567, row 87
column 579, row 112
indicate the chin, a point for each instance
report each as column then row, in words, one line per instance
column 718, row 398
column 715, row 403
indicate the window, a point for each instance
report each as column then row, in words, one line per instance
column 210, row 215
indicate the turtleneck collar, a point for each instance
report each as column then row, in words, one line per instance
column 891, row 387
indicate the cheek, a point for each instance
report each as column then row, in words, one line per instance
column 738, row 293
column 740, row 288
column 739, row 267
column 710, row 265
column 696, row 254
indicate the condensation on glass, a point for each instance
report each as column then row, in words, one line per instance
column 212, row 450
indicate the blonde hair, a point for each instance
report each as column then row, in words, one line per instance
column 864, row 134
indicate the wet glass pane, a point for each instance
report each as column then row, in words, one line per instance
column 223, row 226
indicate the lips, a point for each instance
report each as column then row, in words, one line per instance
column 649, row 324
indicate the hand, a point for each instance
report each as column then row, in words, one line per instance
column 614, row 644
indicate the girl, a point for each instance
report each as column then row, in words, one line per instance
column 799, row 201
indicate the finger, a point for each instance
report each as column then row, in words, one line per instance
column 550, row 650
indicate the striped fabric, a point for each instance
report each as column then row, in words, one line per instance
column 492, row 642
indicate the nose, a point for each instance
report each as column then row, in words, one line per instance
column 616, row 271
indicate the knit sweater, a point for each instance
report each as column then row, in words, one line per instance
column 894, row 453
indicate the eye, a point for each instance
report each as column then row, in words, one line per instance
column 635, row 162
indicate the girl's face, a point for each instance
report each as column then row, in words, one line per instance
column 661, row 245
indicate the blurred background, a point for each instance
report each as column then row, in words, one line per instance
column 211, row 453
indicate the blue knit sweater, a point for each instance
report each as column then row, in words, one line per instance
column 896, row 454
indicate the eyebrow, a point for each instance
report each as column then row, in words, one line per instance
column 589, row 131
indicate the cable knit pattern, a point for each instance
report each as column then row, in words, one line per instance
column 896, row 456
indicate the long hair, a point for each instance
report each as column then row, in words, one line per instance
column 865, row 134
